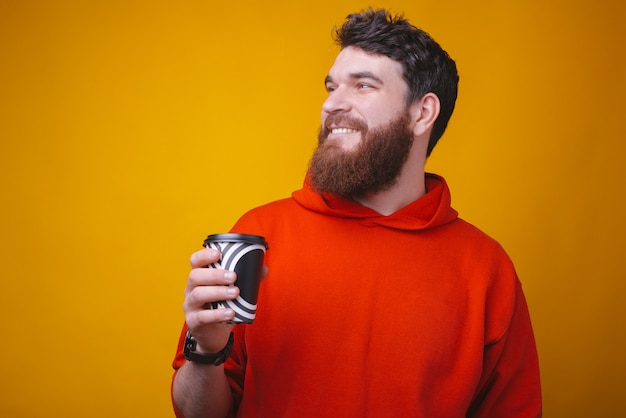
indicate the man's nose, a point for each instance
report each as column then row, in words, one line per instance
column 338, row 100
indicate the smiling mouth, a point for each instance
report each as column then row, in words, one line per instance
column 343, row 131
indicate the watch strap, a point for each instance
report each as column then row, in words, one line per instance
column 204, row 358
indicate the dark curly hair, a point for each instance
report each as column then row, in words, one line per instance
column 427, row 67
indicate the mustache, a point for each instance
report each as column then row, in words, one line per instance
column 342, row 120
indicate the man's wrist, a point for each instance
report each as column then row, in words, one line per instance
column 207, row 358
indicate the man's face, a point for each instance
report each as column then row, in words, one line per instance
column 365, row 137
column 363, row 90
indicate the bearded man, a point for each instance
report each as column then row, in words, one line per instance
column 379, row 300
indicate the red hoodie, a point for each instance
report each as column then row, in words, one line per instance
column 415, row 314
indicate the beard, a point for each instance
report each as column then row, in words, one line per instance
column 372, row 166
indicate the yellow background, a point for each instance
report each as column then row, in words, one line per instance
column 132, row 129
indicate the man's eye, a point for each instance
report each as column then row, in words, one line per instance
column 364, row 86
column 330, row 89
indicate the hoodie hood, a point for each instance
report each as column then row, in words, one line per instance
column 431, row 210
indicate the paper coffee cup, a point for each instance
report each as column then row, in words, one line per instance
column 243, row 254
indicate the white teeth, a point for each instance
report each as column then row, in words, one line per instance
column 343, row 131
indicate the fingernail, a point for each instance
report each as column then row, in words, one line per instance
column 232, row 291
column 229, row 276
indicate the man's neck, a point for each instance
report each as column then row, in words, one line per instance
column 387, row 202
column 410, row 186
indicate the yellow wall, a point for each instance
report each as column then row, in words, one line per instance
column 132, row 129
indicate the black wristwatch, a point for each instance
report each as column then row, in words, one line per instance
column 215, row 359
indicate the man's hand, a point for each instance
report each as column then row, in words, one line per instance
column 206, row 285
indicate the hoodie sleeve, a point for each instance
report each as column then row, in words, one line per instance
column 510, row 385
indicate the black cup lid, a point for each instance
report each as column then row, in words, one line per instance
column 247, row 238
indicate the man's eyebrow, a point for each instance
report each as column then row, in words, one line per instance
column 366, row 74
column 358, row 75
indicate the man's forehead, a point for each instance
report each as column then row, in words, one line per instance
column 355, row 62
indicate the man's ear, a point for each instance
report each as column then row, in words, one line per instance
column 424, row 112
